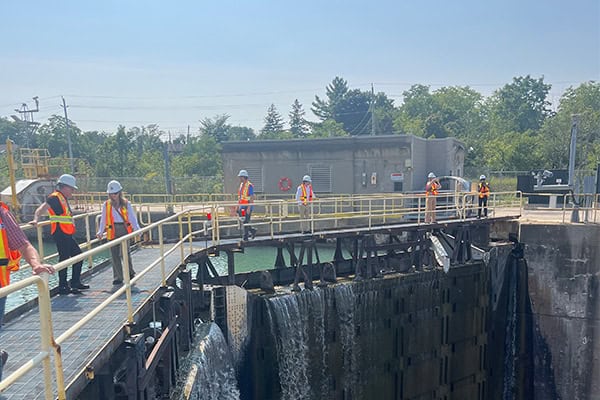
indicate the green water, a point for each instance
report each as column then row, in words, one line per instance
column 17, row 298
column 253, row 259
column 262, row 258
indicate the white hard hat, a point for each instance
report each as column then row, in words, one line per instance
column 243, row 173
column 482, row 177
column 306, row 178
column 69, row 180
column 431, row 175
column 114, row 187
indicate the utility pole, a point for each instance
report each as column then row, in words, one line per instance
column 372, row 111
column 64, row 106
column 26, row 119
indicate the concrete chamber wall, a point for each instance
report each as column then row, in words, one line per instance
column 564, row 268
column 425, row 335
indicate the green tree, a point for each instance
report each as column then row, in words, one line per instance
column 327, row 128
column 336, row 91
column 216, row 128
column 273, row 123
column 241, row 133
column 555, row 136
column 298, row 124
column 519, row 106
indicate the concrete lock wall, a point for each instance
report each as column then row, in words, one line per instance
column 564, row 271
column 342, row 165
column 418, row 336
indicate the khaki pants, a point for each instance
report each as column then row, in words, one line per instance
column 116, row 253
column 430, row 203
column 304, row 210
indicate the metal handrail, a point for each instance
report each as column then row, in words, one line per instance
column 48, row 342
column 274, row 216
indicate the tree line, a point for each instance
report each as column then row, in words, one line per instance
column 513, row 129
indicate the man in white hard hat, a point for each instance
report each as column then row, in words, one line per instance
column 62, row 229
column 245, row 200
column 304, row 198
column 431, row 190
column 483, row 188
column 117, row 219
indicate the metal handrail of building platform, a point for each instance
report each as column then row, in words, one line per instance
column 75, row 331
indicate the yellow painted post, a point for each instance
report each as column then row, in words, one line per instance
column 180, row 223
column 40, row 240
column 89, row 238
column 126, row 277
column 46, row 333
column 162, row 256
column 13, row 186
column 189, row 234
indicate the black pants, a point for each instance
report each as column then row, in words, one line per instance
column 67, row 247
column 482, row 204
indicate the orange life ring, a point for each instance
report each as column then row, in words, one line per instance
column 285, row 184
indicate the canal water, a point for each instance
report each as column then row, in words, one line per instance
column 253, row 259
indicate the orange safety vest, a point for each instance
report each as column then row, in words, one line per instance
column 304, row 195
column 9, row 259
column 110, row 220
column 483, row 189
column 64, row 219
column 243, row 197
column 431, row 188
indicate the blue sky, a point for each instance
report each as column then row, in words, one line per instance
column 174, row 63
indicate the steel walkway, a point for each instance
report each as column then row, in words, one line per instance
column 20, row 336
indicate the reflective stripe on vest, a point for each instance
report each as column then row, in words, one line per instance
column 65, row 219
column 110, row 220
column 9, row 259
column 304, row 196
column 243, row 197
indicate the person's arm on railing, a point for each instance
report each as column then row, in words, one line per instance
column 39, row 211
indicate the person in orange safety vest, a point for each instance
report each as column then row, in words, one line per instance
column 62, row 229
column 117, row 219
column 15, row 245
column 431, row 190
column 304, row 198
column 245, row 207
column 483, row 189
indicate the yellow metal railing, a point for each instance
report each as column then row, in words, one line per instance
column 48, row 342
column 270, row 217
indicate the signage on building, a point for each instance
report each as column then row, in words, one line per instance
column 397, row 177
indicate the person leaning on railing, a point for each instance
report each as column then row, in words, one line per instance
column 431, row 190
column 14, row 245
column 118, row 219
column 62, row 229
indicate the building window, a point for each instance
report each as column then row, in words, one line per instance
column 321, row 178
column 255, row 176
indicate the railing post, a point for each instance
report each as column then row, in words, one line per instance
column 126, row 277
column 88, row 237
column 47, row 339
column 162, row 256
column 190, row 235
column 180, row 224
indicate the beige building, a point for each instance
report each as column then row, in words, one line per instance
column 370, row 164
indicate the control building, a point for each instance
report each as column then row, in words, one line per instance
column 348, row 165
